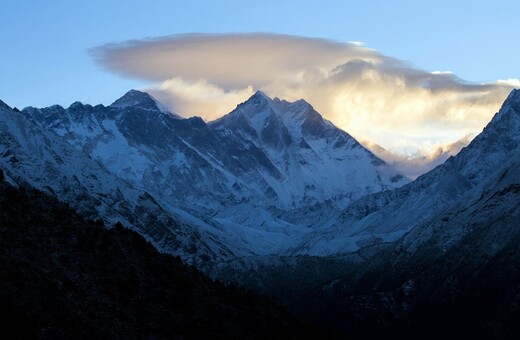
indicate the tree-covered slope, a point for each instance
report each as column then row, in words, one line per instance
column 65, row 277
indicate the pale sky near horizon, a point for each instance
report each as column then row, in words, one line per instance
column 45, row 55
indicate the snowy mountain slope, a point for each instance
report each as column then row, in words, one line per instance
column 44, row 160
column 456, row 275
column 151, row 149
column 386, row 216
column 492, row 164
column 487, row 219
column 269, row 178
column 258, row 179
column 313, row 160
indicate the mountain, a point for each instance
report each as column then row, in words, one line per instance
column 33, row 156
column 275, row 198
column 312, row 160
column 387, row 216
column 137, row 99
column 449, row 269
column 257, row 180
column 454, row 275
column 64, row 277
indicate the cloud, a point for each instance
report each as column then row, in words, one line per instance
column 424, row 158
column 372, row 96
column 228, row 61
column 199, row 98
column 511, row 82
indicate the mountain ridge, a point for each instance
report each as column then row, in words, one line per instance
column 33, row 156
column 291, row 159
column 273, row 175
column 428, row 195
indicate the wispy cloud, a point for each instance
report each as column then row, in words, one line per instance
column 374, row 97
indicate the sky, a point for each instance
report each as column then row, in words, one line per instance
column 419, row 79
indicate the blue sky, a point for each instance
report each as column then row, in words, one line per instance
column 44, row 56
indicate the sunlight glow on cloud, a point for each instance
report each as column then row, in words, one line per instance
column 419, row 117
column 199, row 98
column 423, row 158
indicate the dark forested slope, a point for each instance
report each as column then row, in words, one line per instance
column 64, row 277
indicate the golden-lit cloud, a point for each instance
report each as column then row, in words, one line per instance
column 198, row 98
column 425, row 156
column 421, row 116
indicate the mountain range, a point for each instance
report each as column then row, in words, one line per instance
column 438, row 257
column 274, row 197
column 253, row 182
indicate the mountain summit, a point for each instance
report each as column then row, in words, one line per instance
column 261, row 112
column 316, row 160
column 141, row 100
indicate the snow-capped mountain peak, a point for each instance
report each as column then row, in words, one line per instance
column 262, row 116
column 141, row 100
column 260, row 102
column 257, row 104
column 76, row 105
column 259, row 94
column 299, row 142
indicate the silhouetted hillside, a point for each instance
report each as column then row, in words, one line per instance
column 64, row 277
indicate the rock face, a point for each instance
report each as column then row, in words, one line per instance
column 255, row 179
